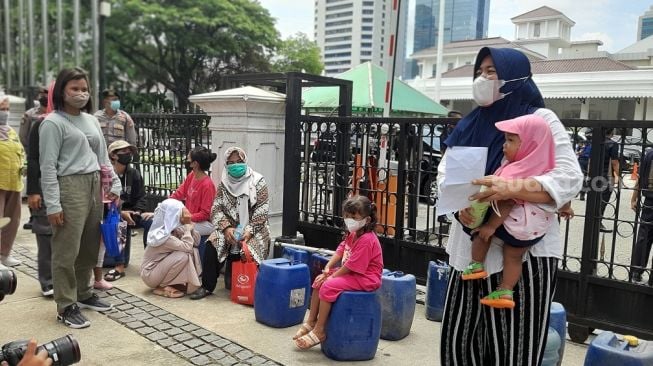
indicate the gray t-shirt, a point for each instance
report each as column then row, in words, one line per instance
column 70, row 145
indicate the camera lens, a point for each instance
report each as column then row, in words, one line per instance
column 63, row 351
column 7, row 282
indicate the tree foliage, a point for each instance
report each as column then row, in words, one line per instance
column 298, row 53
column 187, row 45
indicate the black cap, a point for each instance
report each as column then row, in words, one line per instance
column 110, row 93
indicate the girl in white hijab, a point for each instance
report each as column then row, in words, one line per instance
column 171, row 262
column 240, row 213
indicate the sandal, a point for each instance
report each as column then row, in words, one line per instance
column 495, row 299
column 114, row 275
column 308, row 340
column 304, row 329
column 474, row 271
column 168, row 292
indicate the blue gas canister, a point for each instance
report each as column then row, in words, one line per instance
column 317, row 262
column 551, row 356
column 558, row 321
column 607, row 349
column 296, row 255
column 436, row 289
column 354, row 327
column 397, row 296
column 281, row 292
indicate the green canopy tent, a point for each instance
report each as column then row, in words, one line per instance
column 369, row 93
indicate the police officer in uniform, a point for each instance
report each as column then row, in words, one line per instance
column 116, row 124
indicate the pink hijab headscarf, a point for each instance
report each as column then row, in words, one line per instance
column 536, row 154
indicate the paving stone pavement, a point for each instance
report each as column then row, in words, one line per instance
column 187, row 340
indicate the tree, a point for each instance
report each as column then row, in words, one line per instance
column 298, row 53
column 188, row 45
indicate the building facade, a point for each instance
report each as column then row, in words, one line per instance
column 352, row 32
column 463, row 20
column 645, row 24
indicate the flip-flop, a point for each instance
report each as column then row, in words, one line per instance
column 474, row 271
column 495, row 300
column 167, row 292
column 307, row 341
column 303, row 330
column 114, row 275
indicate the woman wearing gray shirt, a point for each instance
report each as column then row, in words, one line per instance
column 72, row 149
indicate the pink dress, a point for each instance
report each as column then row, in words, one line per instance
column 363, row 257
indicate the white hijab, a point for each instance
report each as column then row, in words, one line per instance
column 243, row 188
column 167, row 217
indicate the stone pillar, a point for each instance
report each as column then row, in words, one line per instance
column 253, row 119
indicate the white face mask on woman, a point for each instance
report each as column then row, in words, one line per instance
column 486, row 91
column 78, row 100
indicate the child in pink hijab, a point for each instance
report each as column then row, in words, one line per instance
column 528, row 152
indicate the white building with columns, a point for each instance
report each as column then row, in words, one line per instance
column 575, row 78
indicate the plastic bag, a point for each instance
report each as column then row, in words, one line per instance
column 112, row 234
column 243, row 278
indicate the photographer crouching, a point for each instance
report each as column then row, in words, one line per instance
column 63, row 351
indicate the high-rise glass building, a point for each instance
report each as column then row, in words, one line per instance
column 463, row 20
column 645, row 25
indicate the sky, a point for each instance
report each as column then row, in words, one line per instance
column 614, row 22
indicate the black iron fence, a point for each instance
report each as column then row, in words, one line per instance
column 339, row 157
column 164, row 141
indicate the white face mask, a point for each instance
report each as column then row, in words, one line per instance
column 4, row 117
column 486, row 91
column 354, row 225
column 78, row 100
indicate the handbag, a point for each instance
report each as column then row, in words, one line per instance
column 114, row 231
column 243, row 278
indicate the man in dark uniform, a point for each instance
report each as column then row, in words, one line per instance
column 609, row 173
column 642, row 247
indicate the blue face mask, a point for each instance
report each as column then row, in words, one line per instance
column 115, row 105
column 237, row 170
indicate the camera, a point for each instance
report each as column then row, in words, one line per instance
column 7, row 283
column 63, row 351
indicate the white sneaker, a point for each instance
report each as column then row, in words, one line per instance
column 9, row 261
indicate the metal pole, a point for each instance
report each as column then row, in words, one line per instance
column 438, row 63
column 8, row 46
column 76, row 30
column 30, row 41
column 391, row 56
column 46, row 54
column 21, row 48
column 59, row 35
column 96, row 52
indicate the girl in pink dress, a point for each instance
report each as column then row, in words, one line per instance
column 528, row 151
column 362, row 265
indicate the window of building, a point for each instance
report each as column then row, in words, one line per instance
column 336, row 31
column 366, row 28
column 366, row 53
column 368, row 20
column 337, row 47
column 449, row 66
column 339, row 54
column 363, row 60
column 337, row 39
column 536, row 29
column 368, row 11
column 339, row 7
column 340, row 22
column 339, row 15
column 366, row 45
column 366, row 36
column 368, row 3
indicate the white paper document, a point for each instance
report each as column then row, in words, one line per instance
column 463, row 164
